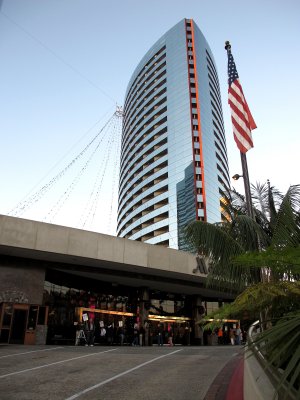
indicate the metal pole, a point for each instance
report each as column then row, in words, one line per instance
column 247, row 185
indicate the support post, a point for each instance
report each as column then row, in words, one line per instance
column 247, row 185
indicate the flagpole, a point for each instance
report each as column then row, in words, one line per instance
column 244, row 166
column 247, row 185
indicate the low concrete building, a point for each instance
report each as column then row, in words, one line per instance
column 54, row 275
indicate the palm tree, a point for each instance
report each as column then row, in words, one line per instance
column 259, row 259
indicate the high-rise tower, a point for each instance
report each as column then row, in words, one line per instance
column 174, row 163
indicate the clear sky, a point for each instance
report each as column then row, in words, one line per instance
column 66, row 63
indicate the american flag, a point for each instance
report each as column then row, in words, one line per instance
column 241, row 117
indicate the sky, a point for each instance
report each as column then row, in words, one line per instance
column 65, row 65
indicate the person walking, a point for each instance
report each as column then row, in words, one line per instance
column 160, row 335
column 135, row 341
column 232, row 336
column 90, row 332
column 110, row 334
column 121, row 334
column 220, row 336
column 170, row 338
column 238, row 335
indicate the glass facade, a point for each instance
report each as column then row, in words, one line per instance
column 173, row 160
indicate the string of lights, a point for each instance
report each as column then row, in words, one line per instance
column 65, row 196
column 116, row 139
column 116, row 169
column 28, row 202
column 94, row 196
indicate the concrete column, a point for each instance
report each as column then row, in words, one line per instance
column 197, row 313
column 144, row 313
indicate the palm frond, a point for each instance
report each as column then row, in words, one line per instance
column 281, row 346
column 259, row 195
column 249, row 233
column 286, row 260
column 212, row 241
column 220, row 247
column 287, row 230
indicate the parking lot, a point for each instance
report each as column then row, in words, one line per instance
column 103, row 372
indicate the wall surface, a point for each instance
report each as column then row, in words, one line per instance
column 21, row 283
column 257, row 385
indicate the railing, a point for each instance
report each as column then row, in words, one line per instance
column 260, row 378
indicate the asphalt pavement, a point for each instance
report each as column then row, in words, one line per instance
column 115, row 372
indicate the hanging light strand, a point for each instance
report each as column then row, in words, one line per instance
column 116, row 169
column 114, row 136
column 97, row 186
column 65, row 196
column 25, row 205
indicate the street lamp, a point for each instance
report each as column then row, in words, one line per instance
column 245, row 176
column 237, row 177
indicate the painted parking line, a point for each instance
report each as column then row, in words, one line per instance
column 54, row 363
column 32, row 351
column 75, row 396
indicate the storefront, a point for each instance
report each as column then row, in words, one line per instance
column 114, row 309
column 23, row 323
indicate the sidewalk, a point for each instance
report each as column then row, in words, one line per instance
column 228, row 384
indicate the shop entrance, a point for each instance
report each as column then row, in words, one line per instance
column 19, row 319
column 178, row 327
column 23, row 323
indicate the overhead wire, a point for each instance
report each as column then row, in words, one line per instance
column 116, row 169
column 64, row 197
column 97, row 183
column 25, row 205
column 58, row 57
column 62, row 158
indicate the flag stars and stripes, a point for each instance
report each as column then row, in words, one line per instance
column 241, row 117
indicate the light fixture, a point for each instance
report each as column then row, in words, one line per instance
column 237, row 176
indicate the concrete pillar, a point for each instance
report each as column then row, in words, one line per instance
column 144, row 297
column 197, row 313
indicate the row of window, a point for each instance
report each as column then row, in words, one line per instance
column 196, row 138
column 142, row 75
column 131, row 133
column 142, row 131
column 143, row 88
column 134, row 199
column 142, row 151
column 137, row 213
column 133, row 111
column 143, row 168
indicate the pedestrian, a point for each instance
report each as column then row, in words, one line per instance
column 102, row 334
column 135, row 341
column 170, row 338
column 238, row 335
column 142, row 335
column 147, row 332
column 160, row 333
column 121, row 335
column 232, row 336
column 220, row 336
column 110, row 334
column 90, row 332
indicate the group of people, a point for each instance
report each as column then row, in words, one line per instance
column 138, row 335
column 143, row 335
column 236, row 336
column 87, row 332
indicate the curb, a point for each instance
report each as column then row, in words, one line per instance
column 228, row 384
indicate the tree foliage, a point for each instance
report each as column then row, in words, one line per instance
column 260, row 259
